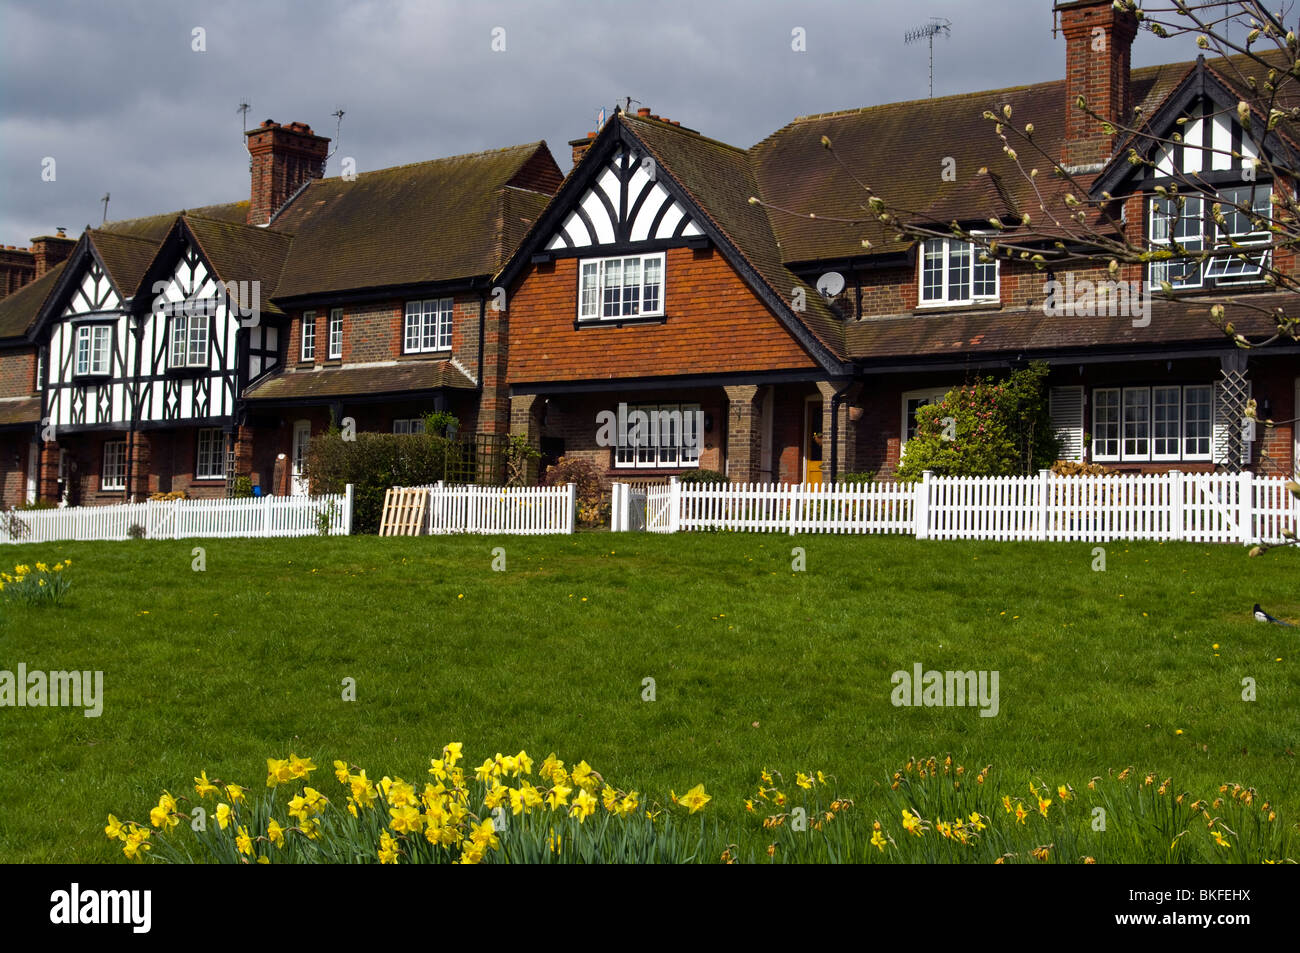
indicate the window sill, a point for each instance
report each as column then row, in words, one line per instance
column 183, row 372
column 582, row 323
column 443, row 352
column 945, row 306
column 91, row 378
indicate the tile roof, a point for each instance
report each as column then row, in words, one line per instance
column 126, row 257
column 334, row 382
column 18, row 310
column 239, row 252
column 441, row 220
column 955, row 336
column 14, row 412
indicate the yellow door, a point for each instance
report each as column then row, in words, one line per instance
column 812, row 449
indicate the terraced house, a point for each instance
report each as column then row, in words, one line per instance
column 177, row 352
column 655, row 281
column 668, row 272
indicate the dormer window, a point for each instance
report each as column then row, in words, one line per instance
column 93, row 343
column 612, row 289
column 1194, row 228
column 952, row 273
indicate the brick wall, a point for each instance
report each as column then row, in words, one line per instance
column 17, row 372
column 715, row 323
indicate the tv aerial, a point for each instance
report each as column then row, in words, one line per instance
column 936, row 26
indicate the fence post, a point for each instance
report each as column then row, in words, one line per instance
column 571, row 509
column 674, row 505
column 176, row 519
column 1044, row 486
column 1176, row 492
column 1246, row 506
column 615, row 499
column 347, row 510
column 921, row 507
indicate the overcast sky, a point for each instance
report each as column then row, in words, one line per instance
column 114, row 91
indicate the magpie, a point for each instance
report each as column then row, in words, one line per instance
column 1262, row 616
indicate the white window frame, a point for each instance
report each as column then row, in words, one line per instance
column 336, row 334
column 98, row 341
column 427, row 326
column 1126, row 430
column 112, row 475
column 593, row 274
column 405, row 425
column 929, row 395
column 1199, row 230
column 944, row 296
column 307, row 346
column 675, row 456
column 210, row 456
column 190, row 340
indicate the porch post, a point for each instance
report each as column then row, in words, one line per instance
column 525, row 418
column 744, row 432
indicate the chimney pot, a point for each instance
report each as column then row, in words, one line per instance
column 643, row 112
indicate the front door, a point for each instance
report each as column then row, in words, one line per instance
column 298, row 462
column 813, row 440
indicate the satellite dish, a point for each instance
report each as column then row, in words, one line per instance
column 830, row 284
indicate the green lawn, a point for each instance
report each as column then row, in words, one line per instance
column 755, row 666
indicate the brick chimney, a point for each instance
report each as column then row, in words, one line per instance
column 283, row 158
column 580, row 146
column 49, row 250
column 1098, row 41
column 17, row 268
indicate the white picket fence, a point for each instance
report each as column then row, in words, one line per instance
column 1191, row 507
column 511, row 511
column 183, row 519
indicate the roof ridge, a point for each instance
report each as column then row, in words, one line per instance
column 660, row 124
column 464, row 155
column 136, row 238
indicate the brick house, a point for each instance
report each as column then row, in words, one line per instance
column 180, row 351
column 668, row 273
column 653, row 281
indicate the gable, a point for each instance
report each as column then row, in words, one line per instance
column 1212, row 142
column 92, row 293
column 624, row 204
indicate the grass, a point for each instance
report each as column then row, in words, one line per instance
column 754, row 665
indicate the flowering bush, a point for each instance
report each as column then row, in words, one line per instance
column 988, row 428
column 592, row 510
column 45, row 586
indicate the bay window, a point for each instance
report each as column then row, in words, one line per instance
column 1164, row 422
column 670, row 435
column 93, row 348
column 1246, row 211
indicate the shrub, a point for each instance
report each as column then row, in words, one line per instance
column 441, row 423
column 1074, row 468
column 373, row 462
column 175, row 495
column 37, row 505
column 703, row 476
column 136, row 531
column 592, row 508
column 988, row 428
column 242, row 488
column 859, row 478
column 519, row 455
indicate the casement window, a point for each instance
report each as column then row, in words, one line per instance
column 428, row 326
column 308, row 351
column 1193, row 227
column 624, row 287
column 189, row 341
column 671, row 435
column 113, row 474
column 409, row 425
column 93, row 344
column 952, row 273
column 211, row 459
column 913, row 401
column 336, row 334
column 1164, row 422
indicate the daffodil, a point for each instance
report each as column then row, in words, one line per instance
column 583, row 806
column 203, row 787
column 695, row 799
